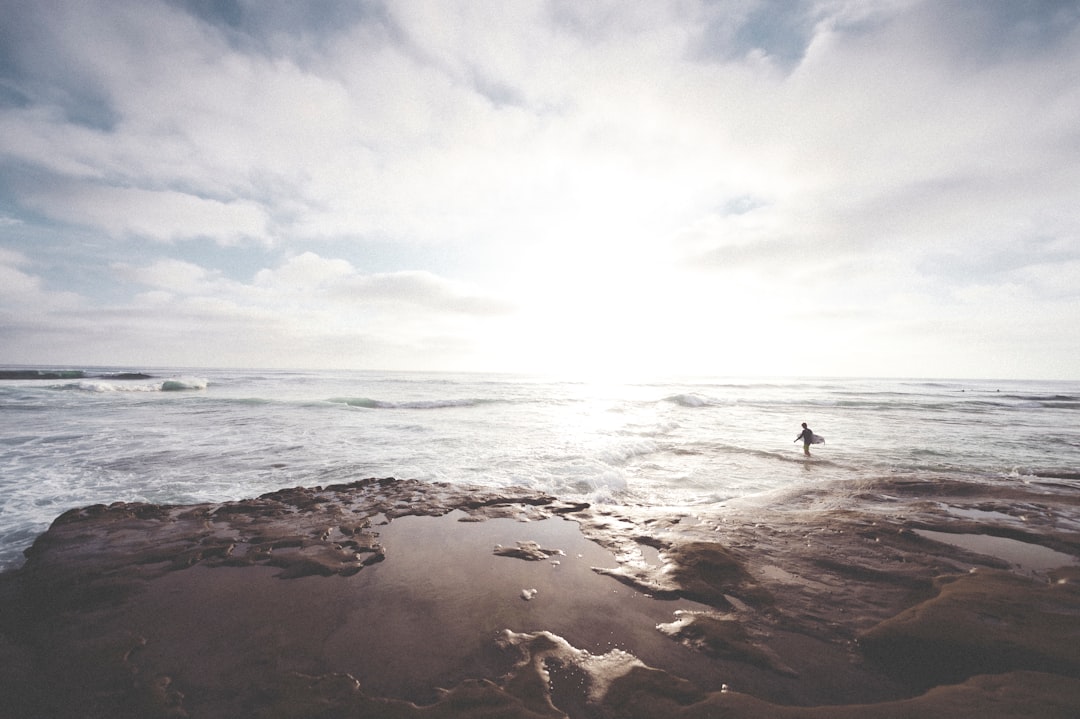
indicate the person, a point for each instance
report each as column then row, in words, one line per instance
column 807, row 436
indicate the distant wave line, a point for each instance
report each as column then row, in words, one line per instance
column 699, row 401
column 368, row 403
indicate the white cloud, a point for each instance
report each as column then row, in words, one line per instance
column 304, row 272
column 170, row 275
column 612, row 179
column 308, row 311
column 15, row 285
column 423, row 289
column 23, row 292
column 12, row 257
column 322, row 281
column 163, row 216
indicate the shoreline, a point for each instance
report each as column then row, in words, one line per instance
column 391, row 598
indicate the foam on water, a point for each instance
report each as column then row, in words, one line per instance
column 542, row 648
column 77, row 436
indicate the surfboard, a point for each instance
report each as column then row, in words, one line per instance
column 817, row 439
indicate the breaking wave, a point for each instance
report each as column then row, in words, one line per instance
column 692, row 400
column 182, row 384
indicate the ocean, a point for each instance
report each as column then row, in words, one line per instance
column 72, row 437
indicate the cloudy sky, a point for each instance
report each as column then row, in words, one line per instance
column 737, row 187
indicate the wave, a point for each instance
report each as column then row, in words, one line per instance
column 184, row 383
column 1049, row 401
column 628, row 451
column 181, row 384
column 1057, row 474
column 368, row 403
column 692, row 400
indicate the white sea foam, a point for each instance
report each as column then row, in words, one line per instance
column 181, row 384
column 178, row 384
column 103, row 386
column 601, row 670
column 691, row 400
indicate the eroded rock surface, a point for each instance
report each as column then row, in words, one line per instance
column 343, row 601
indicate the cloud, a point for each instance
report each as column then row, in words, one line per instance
column 164, row 216
column 423, row 289
column 337, row 280
column 15, row 284
column 315, row 302
column 23, row 292
column 929, row 128
column 168, row 274
column 306, row 271
column 307, row 311
column 451, row 175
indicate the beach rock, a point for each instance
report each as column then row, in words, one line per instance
column 301, row 696
column 648, row 694
column 723, row 637
column 711, row 573
column 344, row 600
column 985, row 622
column 706, row 572
column 527, row 550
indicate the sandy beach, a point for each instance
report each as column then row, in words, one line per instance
column 388, row 598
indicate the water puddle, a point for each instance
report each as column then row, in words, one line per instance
column 980, row 515
column 1028, row 557
column 429, row 614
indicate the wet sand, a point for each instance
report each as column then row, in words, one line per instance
column 385, row 598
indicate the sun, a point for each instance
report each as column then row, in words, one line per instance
column 609, row 318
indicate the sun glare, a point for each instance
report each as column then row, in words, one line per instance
column 591, row 314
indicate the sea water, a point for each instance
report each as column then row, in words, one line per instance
column 99, row 435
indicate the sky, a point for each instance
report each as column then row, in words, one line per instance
column 612, row 189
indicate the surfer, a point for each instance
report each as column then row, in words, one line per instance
column 807, row 436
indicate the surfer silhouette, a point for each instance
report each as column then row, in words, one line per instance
column 807, row 437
